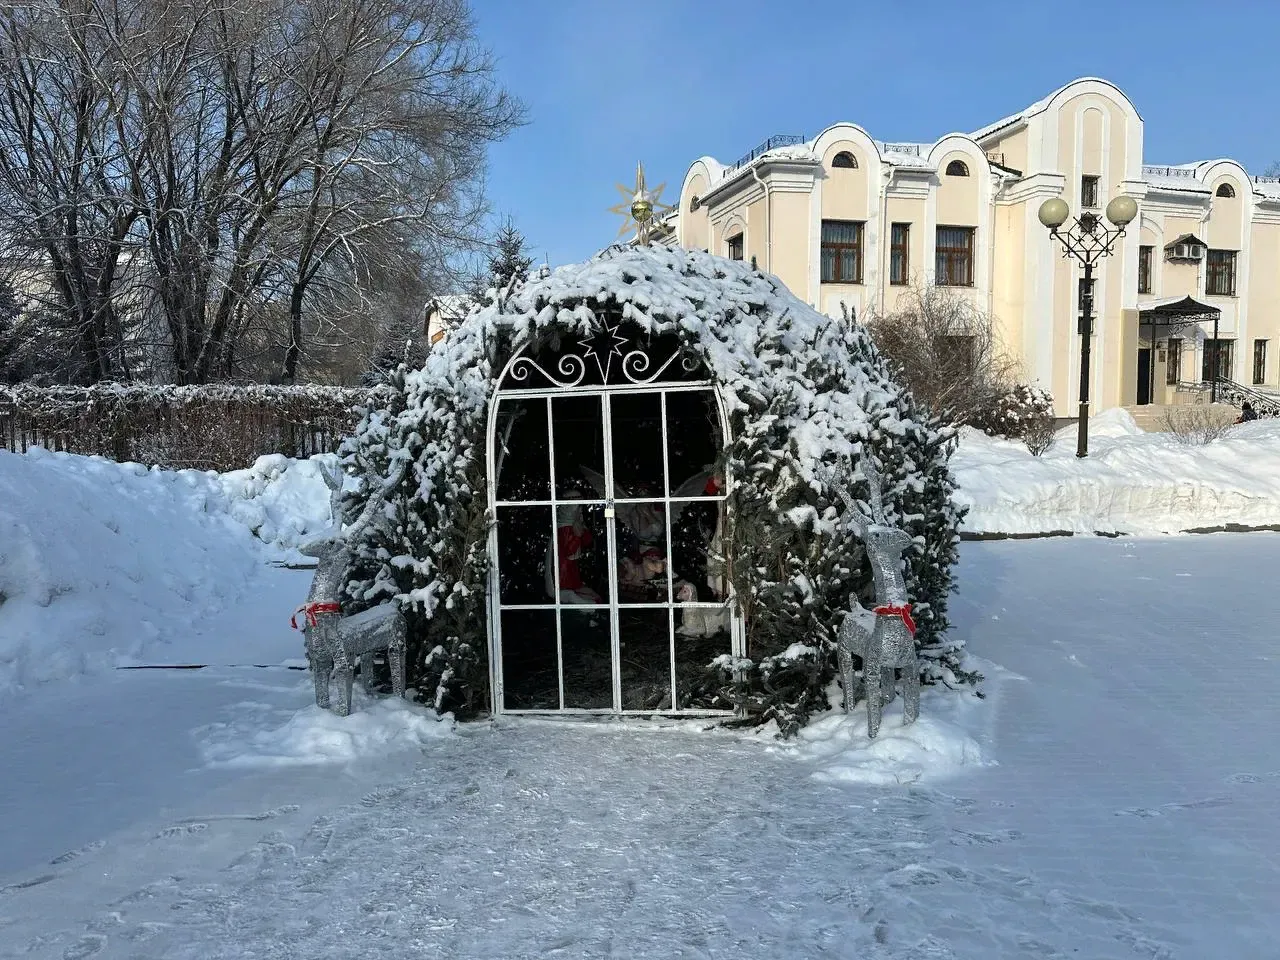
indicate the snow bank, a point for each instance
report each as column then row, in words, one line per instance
column 282, row 501
column 936, row 746
column 105, row 564
column 314, row 736
column 1131, row 482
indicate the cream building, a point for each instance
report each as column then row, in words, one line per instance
column 844, row 218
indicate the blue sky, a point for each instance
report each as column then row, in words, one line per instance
column 611, row 82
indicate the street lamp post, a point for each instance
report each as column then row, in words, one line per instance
column 1087, row 239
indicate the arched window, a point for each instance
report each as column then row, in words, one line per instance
column 957, row 168
column 846, row 160
column 1226, row 190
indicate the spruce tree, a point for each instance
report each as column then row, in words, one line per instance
column 508, row 260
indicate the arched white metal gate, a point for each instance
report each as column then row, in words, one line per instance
column 607, row 593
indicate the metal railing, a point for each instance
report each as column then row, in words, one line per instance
column 914, row 149
column 773, row 143
column 1185, row 173
column 1264, row 404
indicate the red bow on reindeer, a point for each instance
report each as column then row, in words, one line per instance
column 903, row 611
column 310, row 610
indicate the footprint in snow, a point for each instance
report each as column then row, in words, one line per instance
column 181, row 830
column 967, row 838
column 28, row 884
column 86, row 946
column 381, row 796
column 79, row 852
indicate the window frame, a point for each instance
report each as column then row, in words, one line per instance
column 950, row 255
column 957, row 168
column 1146, row 261
column 1220, row 278
column 899, row 254
column 1173, row 362
column 838, row 247
column 736, row 245
column 1259, row 360
column 1215, row 348
column 1090, row 191
column 1226, row 191
column 836, row 164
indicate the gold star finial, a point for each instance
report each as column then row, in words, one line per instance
column 640, row 208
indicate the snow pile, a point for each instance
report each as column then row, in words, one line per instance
column 282, row 501
column 315, row 736
column 936, row 746
column 1132, row 481
column 105, row 564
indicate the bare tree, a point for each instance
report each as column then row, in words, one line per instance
column 262, row 164
column 62, row 199
column 946, row 350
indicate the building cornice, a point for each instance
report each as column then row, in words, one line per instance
column 766, row 167
column 911, row 183
column 1035, row 187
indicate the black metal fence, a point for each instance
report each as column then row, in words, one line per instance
column 214, row 427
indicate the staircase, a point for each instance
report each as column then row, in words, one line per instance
column 1264, row 404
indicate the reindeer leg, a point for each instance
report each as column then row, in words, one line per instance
column 911, row 692
column 321, row 666
column 346, row 676
column 366, row 672
column 321, row 670
column 395, row 660
column 888, row 684
column 846, row 675
column 871, row 677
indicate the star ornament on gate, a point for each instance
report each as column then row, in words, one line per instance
column 640, row 208
column 602, row 347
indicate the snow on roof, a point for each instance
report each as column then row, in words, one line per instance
column 1180, row 177
column 1013, row 118
column 1267, row 187
column 753, row 333
column 906, row 154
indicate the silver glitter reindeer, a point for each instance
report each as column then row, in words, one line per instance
column 883, row 637
column 335, row 641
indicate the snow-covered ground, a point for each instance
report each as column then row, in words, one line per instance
column 105, row 564
column 1112, row 797
column 1132, row 481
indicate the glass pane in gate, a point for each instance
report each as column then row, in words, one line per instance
column 582, row 542
column 636, row 422
column 530, row 675
column 644, row 639
column 524, row 540
column 693, row 443
column 643, row 556
column 588, row 659
column 697, row 562
column 578, row 424
column 703, row 638
column 522, row 450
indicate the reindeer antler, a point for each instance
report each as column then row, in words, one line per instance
column 376, row 499
column 853, row 512
column 876, row 488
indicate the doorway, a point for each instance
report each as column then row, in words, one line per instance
column 608, row 592
column 1144, row 376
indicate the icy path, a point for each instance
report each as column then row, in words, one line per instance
column 1131, row 815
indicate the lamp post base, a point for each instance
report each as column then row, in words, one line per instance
column 1082, row 435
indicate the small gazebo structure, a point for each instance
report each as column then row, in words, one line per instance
column 1172, row 314
column 620, row 498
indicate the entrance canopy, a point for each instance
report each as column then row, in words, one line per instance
column 1176, row 311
